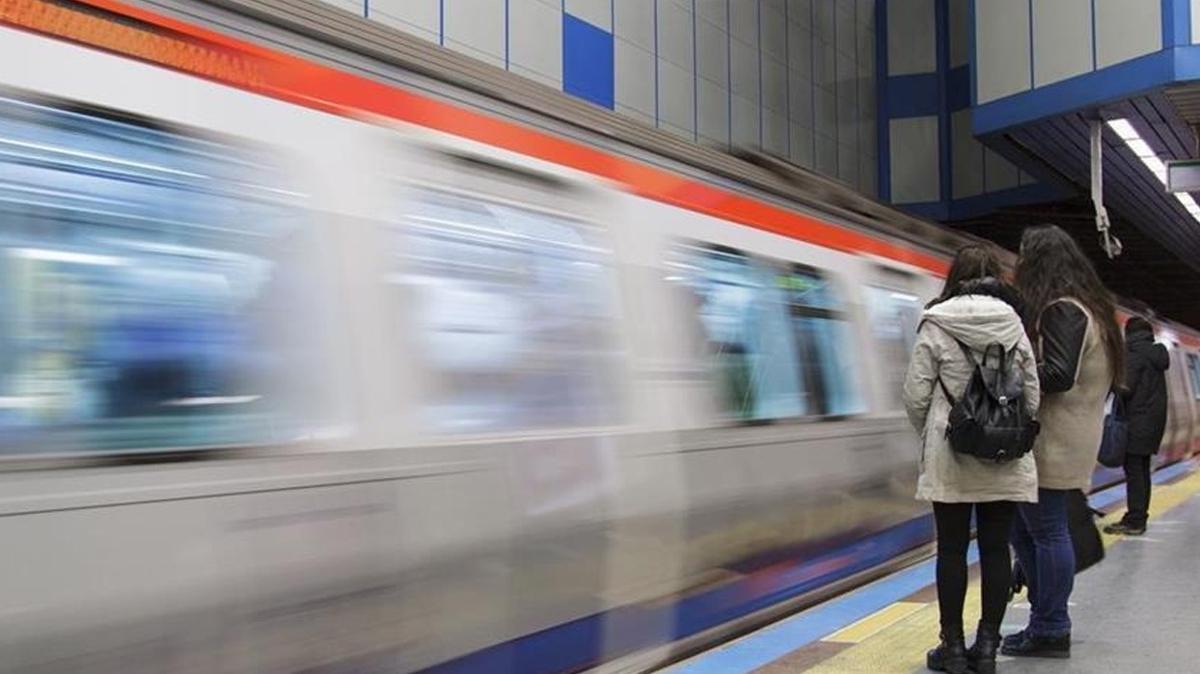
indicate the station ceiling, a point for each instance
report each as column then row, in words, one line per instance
column 1146, row 270
column 1160, row 264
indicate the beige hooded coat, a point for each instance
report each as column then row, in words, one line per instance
column 945, row 475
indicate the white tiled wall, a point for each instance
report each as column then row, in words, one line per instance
column 476, row 28
column 1001, row 48
column 599, row 13
column 419, row 17
column 1195, row 7
column 793, row 77
column 635, row 22
column 959, row 18
column 914, row 160
column 535, row 40
column 676, row 68
column 712, row 81
column 634, row 79
column 1126, row 30
column 967, row 157
column 1069, row 38
column 1062, row 40
column 911, row 44
column 999, row 173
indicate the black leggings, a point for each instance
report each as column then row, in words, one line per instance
column 993, row 523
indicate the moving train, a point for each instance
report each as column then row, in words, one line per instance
column 312, row 364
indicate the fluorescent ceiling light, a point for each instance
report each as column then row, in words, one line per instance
column 1156, row 166
column 1141, row 148
column 1123, row 129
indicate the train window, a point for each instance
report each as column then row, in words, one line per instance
column 1194, row 372
column 774, row 333
column 822, row 334
column 743, row 315
column 514, row 314
column 894, row 318
column 139, row 271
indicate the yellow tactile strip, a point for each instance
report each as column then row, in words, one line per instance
column 876, row 622
column 894, row 639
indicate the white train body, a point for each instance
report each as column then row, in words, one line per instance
column 486, row 427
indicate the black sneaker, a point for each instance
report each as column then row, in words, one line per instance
column 1124, row 529
column 1023, row 645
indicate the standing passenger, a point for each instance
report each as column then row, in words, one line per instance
column 1073, row 321
column 975, row 310
column 1145, row 401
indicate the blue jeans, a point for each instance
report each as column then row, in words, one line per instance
column 1043, row 545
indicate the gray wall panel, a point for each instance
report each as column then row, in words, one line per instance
column 914, row 160
column 1062, row 40
column 1002, row 48
column 1126, row 30
column 910, row 33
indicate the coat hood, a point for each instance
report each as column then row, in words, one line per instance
column 978, row 321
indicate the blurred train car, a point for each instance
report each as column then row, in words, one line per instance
column 305, row 371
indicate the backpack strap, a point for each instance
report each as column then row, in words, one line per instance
column 968, row 353
column 946, row 392
column 966, row 350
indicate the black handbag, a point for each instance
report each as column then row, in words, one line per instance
column 1085, row 535
column 1085, row 540
column 1116, row 435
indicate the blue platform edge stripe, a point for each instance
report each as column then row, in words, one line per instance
column 771, row 643
column 588, row 61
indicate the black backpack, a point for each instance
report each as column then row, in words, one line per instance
column 989, row 421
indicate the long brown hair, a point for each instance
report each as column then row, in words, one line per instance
column 972, row 261
column 1052, row 266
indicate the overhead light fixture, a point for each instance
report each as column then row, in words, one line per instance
column 1123, row 129
column 1188, row 203
column 1157, row 167
column 1141, row 148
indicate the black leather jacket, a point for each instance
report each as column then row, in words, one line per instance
column 1062, row 328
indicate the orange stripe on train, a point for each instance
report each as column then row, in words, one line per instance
column 170, row 43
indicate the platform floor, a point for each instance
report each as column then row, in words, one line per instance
column 1135, row 612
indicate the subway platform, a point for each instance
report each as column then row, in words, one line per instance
column 1134, row 612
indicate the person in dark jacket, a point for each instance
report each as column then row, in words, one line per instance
column 1145, row 399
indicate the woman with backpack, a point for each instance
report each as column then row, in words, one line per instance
column 1072, row 319
column 976, row 314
